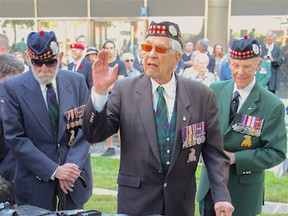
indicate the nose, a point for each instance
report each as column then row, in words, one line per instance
column 152, row 53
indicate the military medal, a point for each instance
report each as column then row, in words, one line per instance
column 67, row 114
column 193, row 134
column 247, row 124
column 72, row 137
column 247, row 142
column 192, row 156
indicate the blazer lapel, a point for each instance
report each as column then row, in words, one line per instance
column 183, row 119
column 31, row 90
column 65, row 98
column 146, row 113
column 249, row 106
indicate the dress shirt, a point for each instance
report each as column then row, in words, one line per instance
column 169, row 94
column 269, row 48
column 78, row 63
column 44, row 90
column 244, row 93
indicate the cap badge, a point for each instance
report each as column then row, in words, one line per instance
column 54, row 47
column 255, row 49
column 172, row 30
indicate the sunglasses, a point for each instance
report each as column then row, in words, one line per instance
column 48, row 63
column 129, row 60
column 158, row 49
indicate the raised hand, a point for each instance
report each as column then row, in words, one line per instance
column 103, row 76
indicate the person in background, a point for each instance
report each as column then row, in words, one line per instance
column 225, row 71
column 21, row 46
column 263, row 75
column 91, row 54
column 20, row 57
column 199, row 71
column 138, row 63
column 80, row 64
column 9, row 66
column 180, row 67
column 272, row 53
column 42, row 125
column 128, row 59
column 110, row 47
column 202, row 46
column 157, row 113
column 4, row 44
column 218, row 54
column 253, row 129
column 81, row 39
column 186, row 56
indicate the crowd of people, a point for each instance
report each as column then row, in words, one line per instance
column 171, row 106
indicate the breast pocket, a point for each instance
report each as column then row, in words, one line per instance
column 129, row 181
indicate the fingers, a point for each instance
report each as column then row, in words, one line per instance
column 68, row 172
column 66, row 186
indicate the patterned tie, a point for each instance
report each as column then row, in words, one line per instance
column 161, row 110
column 234, row 105
column 53, row 108
column 74, row 67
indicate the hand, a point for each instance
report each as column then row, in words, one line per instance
column 231, row 155
column 223, row 208
column 66, row 186
column 68, row 172
column 103, row 76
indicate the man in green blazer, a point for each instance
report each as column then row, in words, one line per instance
column 254, row 136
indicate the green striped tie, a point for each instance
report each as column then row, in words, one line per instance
column 53, row 108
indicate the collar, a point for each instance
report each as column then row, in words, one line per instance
column 271, row 46
column 245, row 91
column 44, row 88
column 169, row 87
column 79, row 61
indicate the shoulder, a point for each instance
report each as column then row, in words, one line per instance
column 220, row 84
column 70, row 75
column 192, row 85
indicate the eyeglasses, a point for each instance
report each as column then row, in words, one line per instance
column 158, row 49
column 48, row 63
column 129, row 60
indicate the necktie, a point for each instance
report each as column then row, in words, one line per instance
column 74, row 67
column 161, row 110
column 53, row 108
column 234, row 105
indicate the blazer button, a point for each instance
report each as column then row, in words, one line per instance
column 159, row 171
column 165, row 185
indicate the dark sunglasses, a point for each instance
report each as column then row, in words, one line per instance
column 158, row 49
column 129, row 60
column 48, row 63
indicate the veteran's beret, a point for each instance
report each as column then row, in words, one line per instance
column 244, row 48
column 77, row 46
column 166, row 29
column 42, row 45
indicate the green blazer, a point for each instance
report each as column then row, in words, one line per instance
column 246, row 179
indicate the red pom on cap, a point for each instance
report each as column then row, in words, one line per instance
column 245, row 36
column 41, row 32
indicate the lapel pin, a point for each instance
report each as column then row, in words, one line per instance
column 184, row 118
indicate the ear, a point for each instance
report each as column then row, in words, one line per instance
column 178, row 57
column 61, row 54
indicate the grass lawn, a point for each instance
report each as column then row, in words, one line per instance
column 105, row 172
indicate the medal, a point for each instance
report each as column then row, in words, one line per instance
column 192, row 156
column 247, row 142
